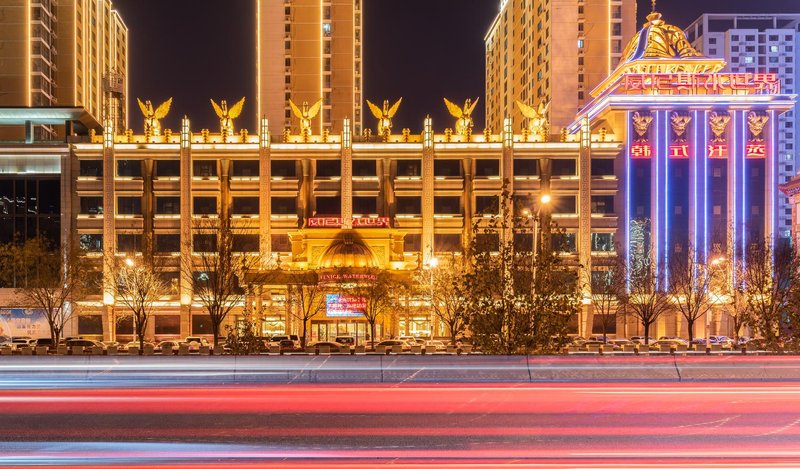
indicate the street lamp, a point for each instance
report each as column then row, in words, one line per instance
column 714, row 262
column 545, row 199
column 431, row 264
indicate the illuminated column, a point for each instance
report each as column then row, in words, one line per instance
column 584, row 241
column 771, row 186
column 346, row 182
column 186, row 228
column 658, row 193
column 736, row 187
column 264, row 186
column 109, row 229
column 698, row 176
column 427, row 190
column 466, row 237
column 507, row 176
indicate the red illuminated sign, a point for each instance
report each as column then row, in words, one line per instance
column 717, row 150
column 332, row 222
column 680, row 151
column 703, row 83
column 641, row 150
column 756, row 150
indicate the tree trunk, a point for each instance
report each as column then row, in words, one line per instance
column 646, row 332
column 690, row 326
column 452, row 333
column 215, row 330
column 372, row 333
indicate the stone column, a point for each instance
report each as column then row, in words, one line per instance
column 469, row 210
column 584, row 241
column 428, row 153
column 109, row 229
column 186, row 229
column 148, row 240
column 507, row 176
column 346, row 181
column 264, row 193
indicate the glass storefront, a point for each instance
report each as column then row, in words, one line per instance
column 328, row 330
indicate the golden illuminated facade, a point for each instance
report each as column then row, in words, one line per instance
column 310, row 50
column 553, row 52
column 65, row 53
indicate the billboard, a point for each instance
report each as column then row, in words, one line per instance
column 23, row 322
column 343, row 306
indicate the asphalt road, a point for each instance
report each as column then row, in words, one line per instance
column 419, row 425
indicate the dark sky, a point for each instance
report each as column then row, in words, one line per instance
column 422, row 50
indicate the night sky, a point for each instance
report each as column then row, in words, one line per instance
column 422, row 50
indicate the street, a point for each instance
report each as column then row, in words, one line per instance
column 557, row 425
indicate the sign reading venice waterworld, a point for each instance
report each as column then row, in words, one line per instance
column 344, row 306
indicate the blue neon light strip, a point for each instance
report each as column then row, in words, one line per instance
column 628, row 207
column 732, row 183
column 665, row 157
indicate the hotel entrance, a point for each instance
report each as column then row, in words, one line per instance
column 329, row 329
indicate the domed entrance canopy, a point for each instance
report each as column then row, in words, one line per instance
column 347, row 250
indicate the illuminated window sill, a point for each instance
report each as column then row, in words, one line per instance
column 284, row 178
column 90, row 217
column 128, row 217
column 604, row 215
column 447, row 216
column 90, row 178
column 165, row 216
column 254, row 216
column 604, row 253
column 487, row 178
column 214, row 215
column 408, row 178
column 566, row 178
column 284, row 217
column 126, row 178
column 210, row 178
column 167, row 178
column 407, row 216
column 329, row 178
column 245, row 178
column 365, row 178
column 449, row 178
column 605, row 178
column 565, row 215
column 526, row 178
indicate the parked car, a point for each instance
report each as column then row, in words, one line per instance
column 345, row 340
column 756, row 344
column 637, row 339
column 44, row 342
column 171, row 343
column 135, row 343
column 392, row 342
column 22, row 342
column 333, row 347
column 725, row 341
column 743, row 340
column 672, row 342
column 277, row 339
column 85, row 343
column 619, row 343
column 288, row 345
column 435, row 346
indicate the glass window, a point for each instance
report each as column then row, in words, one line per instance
column 329, row 168
column 129, row 243
column 284, row 205
column 91, row 168
column 526, row 167
column 201, row 324
column 603, row 242
column 408, row 205
column 245, row 243
column 447, row 205
column 204, row 168
column 564, row 167
column 365, row 205
column 205, row 205
column 447, row 242
column 602, row 167
column 129, row 205
column 90, row 324
column 409, row 168
column 412, row 242
column 487, row 168
column 488, row 242
column 564, row 242
column 168, row 243
column 204, row 242
column 245, row 206
column 168, row 168
column 603, row 204
column 281, row 243
column 364, row 168
column 129, row 168
column 91, row 205
column 329, row 206
column 564, row 204
column 91, row 242
column 245, row 168
column 447, row 168
column 283, row 168
column 6, row 197
column 168, row 205
column 487, row 204
column 167, row 324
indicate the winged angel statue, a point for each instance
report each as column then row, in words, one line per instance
column 227, row 115
column 306, row 114
column 152, row 117
column 537, row 117
column 464, row 115
column 384, row 115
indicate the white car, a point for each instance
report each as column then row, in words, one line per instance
column 435, row 346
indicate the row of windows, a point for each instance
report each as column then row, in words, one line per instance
column 332, row 168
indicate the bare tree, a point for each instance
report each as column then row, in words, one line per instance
column 649, row 298
column 379, row 291
column 770, row 279
column 137, row 284
column 690, row 282
column 218, row 267
column 609, row 293
column 306, row 301
column 50, row 278
column 444, row 285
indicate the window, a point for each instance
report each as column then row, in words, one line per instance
column 602, row 167
column 245, row 206
column 409, row 168
column 204, row 169
column 603, row 204
column 281, row 243
column 446, row 205
column 365, row 205
column 329, row 206
column 129, row 243
column 412, row 242
column 487, row 204
column 129, row 168
column 564, row 167
column 91, row 168
column 717, row 210
column 526, row 167
column 245, row 168
column 329, row 168
column 205, row 205
column 564, row 204
column 603, row 242
column 364, row 168
column 168, row 168
column 564, row 242
column 129, row 205
column 487, row 168
column 283, row 168
column 447, row 242
column 488, row 242
column 91, row 205
column 91, row 242
column 408, row 205
column 168, row 205
column 167, row 324
column 168, row 243
column 204, row 242
column 326, row 29
column 284, row 205
column 447, row 168
column 245, row 243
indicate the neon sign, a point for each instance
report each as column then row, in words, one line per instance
column 332, row 222
column 679, row 151
column 756, row 150
column 641, row 150
column 702, row 83
column 717, row 150
column 344, row 306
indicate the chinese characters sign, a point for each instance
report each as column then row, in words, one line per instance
column 641, row 150
column 702, row 83
column 756, row 150
column 344, row 306
column 717, row 151
column 379, row 222
column 679, row 151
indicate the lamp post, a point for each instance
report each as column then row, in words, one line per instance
column 431, row 264
column 712, row 264
column 545, row 199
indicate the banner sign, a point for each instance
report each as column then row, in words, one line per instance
column 679, row 151
column 332, row 222
column 702, row 83
column 756, row 150
column 23, row 322
column 641, row 150
column 343, row 306
column 717, row 151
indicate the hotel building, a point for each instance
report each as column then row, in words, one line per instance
column 310, row 50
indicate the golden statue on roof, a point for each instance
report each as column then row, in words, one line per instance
column 463, row 115
column 226, row 115
column 384, row 115
column 537, row 118
column 305, row 114
column 152, row 117
column 659, row 40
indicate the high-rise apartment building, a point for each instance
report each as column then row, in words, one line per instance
column 552, row 51
column 64, row 53
column 760, row 44
column 310, row 50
